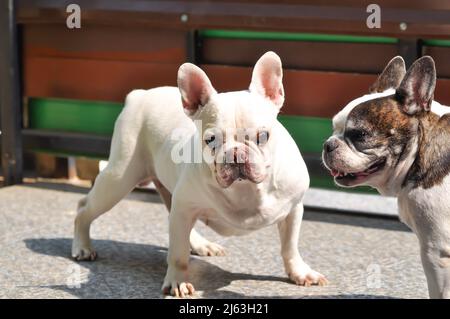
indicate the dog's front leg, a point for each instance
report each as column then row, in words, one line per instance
column 436, row 264
column 297, row 270
column 176, row 281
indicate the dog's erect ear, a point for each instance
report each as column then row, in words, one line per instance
column 267, row 78
column 415, row 92
column 391, row 77
column 195, row 87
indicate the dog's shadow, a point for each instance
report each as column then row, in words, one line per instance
column 125, row 270
column 130, row 270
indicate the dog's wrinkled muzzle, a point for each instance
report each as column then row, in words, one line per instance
column 239, row 165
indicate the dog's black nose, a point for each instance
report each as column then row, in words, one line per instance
column 330, row 145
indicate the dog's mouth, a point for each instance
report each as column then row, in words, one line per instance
column 229, row 174
column 347, row 177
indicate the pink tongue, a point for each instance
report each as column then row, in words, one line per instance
column 334, row 173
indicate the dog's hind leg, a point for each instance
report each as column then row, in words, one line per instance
column 199, row 245
column 110, row 186
column 124, row 171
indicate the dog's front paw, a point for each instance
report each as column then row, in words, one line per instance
column 208, row 249
column 80, row 253
column 174, row 285
column 178, row 289
column 303, row 275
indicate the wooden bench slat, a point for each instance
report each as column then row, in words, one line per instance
column 105, row 43
column 305, row 16
column 308, row 93
column 98, row 80
column 441, row 56
column 329, row 56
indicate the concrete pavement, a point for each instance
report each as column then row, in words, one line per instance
column 362, row 257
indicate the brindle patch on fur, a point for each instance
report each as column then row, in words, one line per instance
column 384, row 115
column 386, row 125
column 432, row 163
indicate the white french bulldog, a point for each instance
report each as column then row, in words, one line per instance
column 251, row 174
column 397, row 140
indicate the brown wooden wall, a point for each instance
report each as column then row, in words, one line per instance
column 106, row 62
column 98, row 62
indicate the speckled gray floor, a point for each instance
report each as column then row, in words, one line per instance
column 362, row 257
column 367, row 204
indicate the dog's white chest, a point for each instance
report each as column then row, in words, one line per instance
column 250, row 211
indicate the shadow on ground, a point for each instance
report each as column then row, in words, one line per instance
column 130, row 270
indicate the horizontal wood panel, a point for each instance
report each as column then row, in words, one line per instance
column 423, row 21
column 311, row 93
column 308, row 93
column 64, row 115
column 67, row 143
column 408, row 4
column 67, row 115
column 93, row 79
column 441, row 56
column 98, row 118
column 330, row 56
column 293, row 36
column 442, row 93
column 107, row 43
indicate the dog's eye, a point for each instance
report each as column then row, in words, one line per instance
column 210, row 141
column 262, row 137
column 356, row 135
